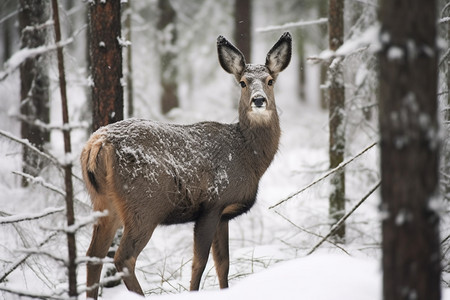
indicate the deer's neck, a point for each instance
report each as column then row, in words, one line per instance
column 261, row 140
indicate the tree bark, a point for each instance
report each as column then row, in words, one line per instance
column 409, row 149
column 336, row 116
column 34, row 82
column 168, row 68
column 106, row 62
column 243, row 27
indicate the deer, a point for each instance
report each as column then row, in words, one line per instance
column 146, row 173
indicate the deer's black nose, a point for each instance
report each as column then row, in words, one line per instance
column 259, row 101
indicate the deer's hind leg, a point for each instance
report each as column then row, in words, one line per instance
column 134, row 240
column 102, row 237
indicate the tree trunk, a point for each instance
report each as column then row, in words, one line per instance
column 168, row 67
column 243, row 27
column 323, row 13
column 446, row 147
column 70, row 215
column 336, row 116
column 34, row 82
column 301, row 64
column 409, row 149
column 106, row 66
column 106, row 62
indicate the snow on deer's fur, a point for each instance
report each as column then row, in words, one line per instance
column 146, row 173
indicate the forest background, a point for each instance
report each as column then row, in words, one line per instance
column 170, row 73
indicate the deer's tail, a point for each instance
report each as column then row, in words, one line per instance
column 97, row 159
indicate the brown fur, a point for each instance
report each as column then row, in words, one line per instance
column 146, row 173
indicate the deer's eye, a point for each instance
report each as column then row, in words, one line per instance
column 243, row 85
column 270, row 82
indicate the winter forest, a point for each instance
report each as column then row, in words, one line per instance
column 354, row 205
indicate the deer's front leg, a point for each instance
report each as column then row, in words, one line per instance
column 221, row 253
column 204, row 231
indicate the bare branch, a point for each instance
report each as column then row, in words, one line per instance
column 37, row 251
column 24, row 293
column 342, row 165
column 29, row 217
column 312, row 233
column 21, row 260
column 342, row 220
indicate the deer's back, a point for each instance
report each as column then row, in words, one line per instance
column 182, row 169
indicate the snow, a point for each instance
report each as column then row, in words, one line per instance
column 267, row 246
column 316, row 277
column 395, row 53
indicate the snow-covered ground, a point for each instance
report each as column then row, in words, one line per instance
column 268, row 247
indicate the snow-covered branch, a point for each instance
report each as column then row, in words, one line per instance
column 27, row 144
column 444, row 20
column 49, row 127
column 92, row 218
column 107, row 280
column 292, row 25
column 40, row 181
column 23, row 54
column 20, row 56
column 28, row 216
column 342, row 165
column 81, row 222
column 94, row 260
column 367, row 40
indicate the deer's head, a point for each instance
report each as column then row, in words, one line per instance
column 257, row 102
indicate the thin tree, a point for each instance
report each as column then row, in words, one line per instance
column 106, row 62
column 70, row 216
column 34, row 82
column 243, row 27
column 336, row 115
column 167, row 45
column 129, row 61
column 409, row 149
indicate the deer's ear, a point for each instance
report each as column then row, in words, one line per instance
column 231, row 59
column 279, row 56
